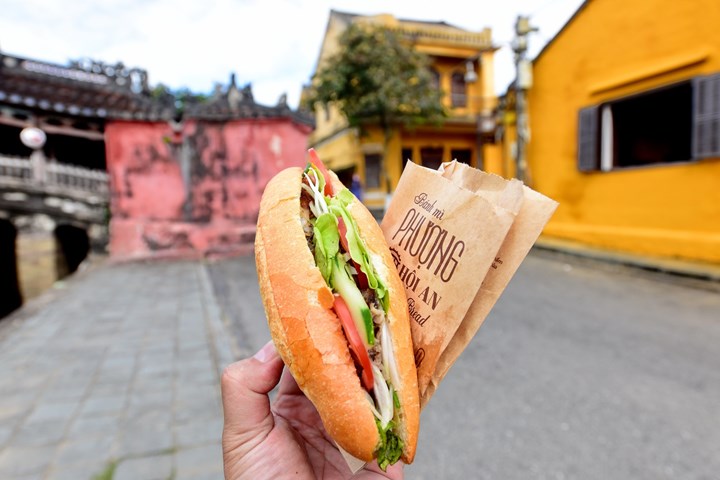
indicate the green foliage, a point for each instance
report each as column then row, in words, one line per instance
column 378, row 78
column 180, row 98
column 107, row 473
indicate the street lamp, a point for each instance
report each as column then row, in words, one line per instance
column 33, row 137
column 523, row 81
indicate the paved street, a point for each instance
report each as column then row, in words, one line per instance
column 583, row 371
column 117, row 376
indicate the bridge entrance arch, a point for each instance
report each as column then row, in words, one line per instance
column 73, row 246
column 11, row 297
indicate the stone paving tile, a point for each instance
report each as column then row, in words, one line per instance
column 124, row 376
column 80, row 450
column 144, row 441
column 215, row 474
column 39, row 433
column 158, row 467
column 159, row 418
column 5, row 434
column 52, row 411
column 152, row 384
column 94, row 425
column 84, row 471
column 64, row 394
column 198, row 433
column 198, row 412
column 18, row 461
column 199, row 462
column 103, row 405
column 109, row 388
column 11, row 417
column 150, row 399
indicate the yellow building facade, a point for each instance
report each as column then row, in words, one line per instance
column 462, row 63
column 625, row 119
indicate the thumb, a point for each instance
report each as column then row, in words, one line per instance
column 246, row 406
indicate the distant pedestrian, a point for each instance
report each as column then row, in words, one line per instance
column 356, row 186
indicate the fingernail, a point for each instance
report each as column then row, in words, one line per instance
column 266, row 353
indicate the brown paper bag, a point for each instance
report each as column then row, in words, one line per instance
column 444, row 237
column 535, row 212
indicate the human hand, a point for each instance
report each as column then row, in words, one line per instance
column 284, row 440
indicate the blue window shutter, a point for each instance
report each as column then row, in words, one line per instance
column 706, row 117
column 589, row 139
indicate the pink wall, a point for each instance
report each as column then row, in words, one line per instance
column 195, row 194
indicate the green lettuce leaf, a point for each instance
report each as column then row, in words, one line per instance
column 390, row 449
column 345, row 197
column 358, row 250
column 327, row 242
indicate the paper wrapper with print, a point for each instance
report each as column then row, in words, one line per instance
column 534, row 213
column 458, row 235
column 444, row 238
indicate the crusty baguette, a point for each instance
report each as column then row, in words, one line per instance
column 398, row 322
column 306, row 331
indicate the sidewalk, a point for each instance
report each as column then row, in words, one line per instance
column 685, row 268
column 115, row 377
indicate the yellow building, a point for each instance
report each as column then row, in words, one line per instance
column 625, row 120
column 462, row 63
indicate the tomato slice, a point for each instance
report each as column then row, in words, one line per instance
column 362, row 280
column 342, row 230
column 356, row 345
column 315, row 160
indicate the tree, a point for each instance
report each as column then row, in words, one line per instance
column 378, row 78
column 180, row 99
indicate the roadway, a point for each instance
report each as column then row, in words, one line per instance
column 583, row 370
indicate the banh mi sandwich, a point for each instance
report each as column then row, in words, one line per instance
column 337, row 312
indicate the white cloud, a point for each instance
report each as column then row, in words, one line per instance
column 272, row 44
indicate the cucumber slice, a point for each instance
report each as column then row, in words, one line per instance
column 343, row 283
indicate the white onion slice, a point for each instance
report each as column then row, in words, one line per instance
column 383, row 397
column 372, row 406
column 320, row 204
column 388, row 355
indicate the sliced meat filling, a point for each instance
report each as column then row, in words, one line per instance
column 305, row 215
column 378, row 317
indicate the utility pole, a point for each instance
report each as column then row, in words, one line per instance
column 523, row 81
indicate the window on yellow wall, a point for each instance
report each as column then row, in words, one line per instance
column 431, row 157
column 462, row 155
column 372, row 170
column 435, row 78
column 406, row 156
column 677, row 123
column 458, row 90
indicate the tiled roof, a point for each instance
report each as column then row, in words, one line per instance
column 97, row 90
column 348, row 17
column 83, row 89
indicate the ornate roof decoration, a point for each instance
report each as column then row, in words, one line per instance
column 238, row 103
column 84, row 88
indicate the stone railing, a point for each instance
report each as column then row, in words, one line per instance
column 77, row 178
column 36, row 171
column 15, row 168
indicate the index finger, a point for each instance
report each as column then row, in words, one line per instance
column 288, row 385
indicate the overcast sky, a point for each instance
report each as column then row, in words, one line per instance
column 272, row 44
